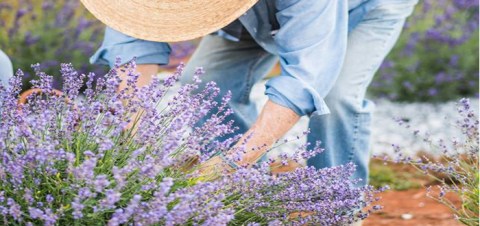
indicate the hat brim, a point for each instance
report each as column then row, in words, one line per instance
column 167, row 20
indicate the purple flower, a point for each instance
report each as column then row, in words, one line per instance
column 77, row 209
column 49, row 198
column 433, row 44
column 71, row 158
column 101, row 182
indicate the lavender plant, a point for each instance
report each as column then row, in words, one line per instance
column 436, row 57
column 71, row 159
column 457, row 171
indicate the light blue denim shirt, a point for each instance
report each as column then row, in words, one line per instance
column 310, row 43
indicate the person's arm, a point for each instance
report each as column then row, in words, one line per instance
column 312, row 44
column 148, row 56
column 273, row 122
column 116, row 44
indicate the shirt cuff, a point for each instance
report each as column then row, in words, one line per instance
column 145, row 52
column 296, row 95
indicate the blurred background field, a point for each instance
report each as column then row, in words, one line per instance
column 434, row 63
column 436, row 58
column 49, row 32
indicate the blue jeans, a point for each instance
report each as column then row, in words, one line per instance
column 345, row 133
column 6, row 70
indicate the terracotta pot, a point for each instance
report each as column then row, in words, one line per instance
column 24, row 96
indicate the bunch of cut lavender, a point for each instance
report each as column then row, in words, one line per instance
column 72, row 159
column 457, row 170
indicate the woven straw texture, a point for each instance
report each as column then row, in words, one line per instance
column 167, row 21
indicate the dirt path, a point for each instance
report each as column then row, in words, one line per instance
column 399, row 206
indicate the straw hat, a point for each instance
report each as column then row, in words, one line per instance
column 167, row 20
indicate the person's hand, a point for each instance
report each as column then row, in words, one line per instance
column 214, row 168
column 257, row 140
column 279, row 168
column 272, row 123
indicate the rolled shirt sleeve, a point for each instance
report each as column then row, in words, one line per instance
column 311, row 45
column 116, row 44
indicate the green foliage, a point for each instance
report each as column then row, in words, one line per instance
column 470, row 198
column 381, row 175
column 456, row 169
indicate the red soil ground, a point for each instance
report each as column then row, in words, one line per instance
column 423, row 210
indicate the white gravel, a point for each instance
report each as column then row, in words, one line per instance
column 436, row 119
